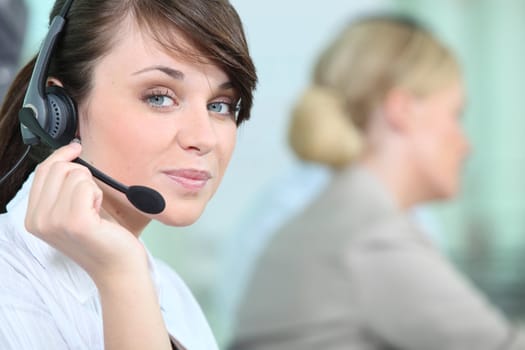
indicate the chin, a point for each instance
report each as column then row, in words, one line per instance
column 179, row 217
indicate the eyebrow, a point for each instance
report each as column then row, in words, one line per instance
column 174, row 73
column 177, row 74
column 226, row 86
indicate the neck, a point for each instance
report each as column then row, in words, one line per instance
column 398, row 177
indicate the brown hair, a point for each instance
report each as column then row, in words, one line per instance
column 370, row 57
column 212, row 27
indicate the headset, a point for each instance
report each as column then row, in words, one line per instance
column 54, row 109
column 49, row 115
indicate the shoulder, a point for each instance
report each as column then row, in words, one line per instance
column 18, row 247
column 12, row 253
column 393, row 231
column 18, row 294
column 17, row 267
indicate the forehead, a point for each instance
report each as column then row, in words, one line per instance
column 156, row 36
column 135, row 47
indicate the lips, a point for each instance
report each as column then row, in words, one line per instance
column 190, row 179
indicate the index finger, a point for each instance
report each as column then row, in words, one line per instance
column 64, row 154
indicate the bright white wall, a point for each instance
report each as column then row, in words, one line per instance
column 37, row 25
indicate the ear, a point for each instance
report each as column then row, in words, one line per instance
column 51, row 81
column 398, row 109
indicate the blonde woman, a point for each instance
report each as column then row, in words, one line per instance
column 352, row 271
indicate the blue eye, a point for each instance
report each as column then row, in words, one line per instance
column 160, row 101
column 220, row 107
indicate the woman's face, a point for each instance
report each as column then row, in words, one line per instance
column 439, row 143
column 157, row 120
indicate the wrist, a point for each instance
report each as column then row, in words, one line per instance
column 117, row 283
column 133, row 268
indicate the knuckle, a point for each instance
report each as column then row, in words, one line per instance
column 58, row 166
column 40, row 168
column 80, row 173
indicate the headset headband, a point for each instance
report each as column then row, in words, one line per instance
column 35, row 98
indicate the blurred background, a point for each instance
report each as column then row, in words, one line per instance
column 482, row 230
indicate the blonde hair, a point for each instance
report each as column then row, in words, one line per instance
column 354, row 74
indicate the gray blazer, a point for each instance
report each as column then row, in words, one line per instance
column 353, row 272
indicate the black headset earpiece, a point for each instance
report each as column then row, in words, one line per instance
column 61, row 118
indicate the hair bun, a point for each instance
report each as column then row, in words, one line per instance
column 321, row 131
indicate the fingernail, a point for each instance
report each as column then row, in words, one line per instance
column 76, row 140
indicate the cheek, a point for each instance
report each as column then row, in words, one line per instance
column 112, row 138
column 455, row 146
column 225, row 147
column 442, row 141
column 447, row 157
column 434, row 151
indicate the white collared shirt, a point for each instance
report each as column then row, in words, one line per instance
column 48, row 302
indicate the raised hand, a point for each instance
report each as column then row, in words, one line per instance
column 65, row 211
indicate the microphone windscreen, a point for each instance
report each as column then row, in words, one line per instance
column 146, row 199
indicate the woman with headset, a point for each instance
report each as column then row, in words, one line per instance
column 147, row 92
column 353, row 271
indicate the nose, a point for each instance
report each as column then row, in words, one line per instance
column 196, row 131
